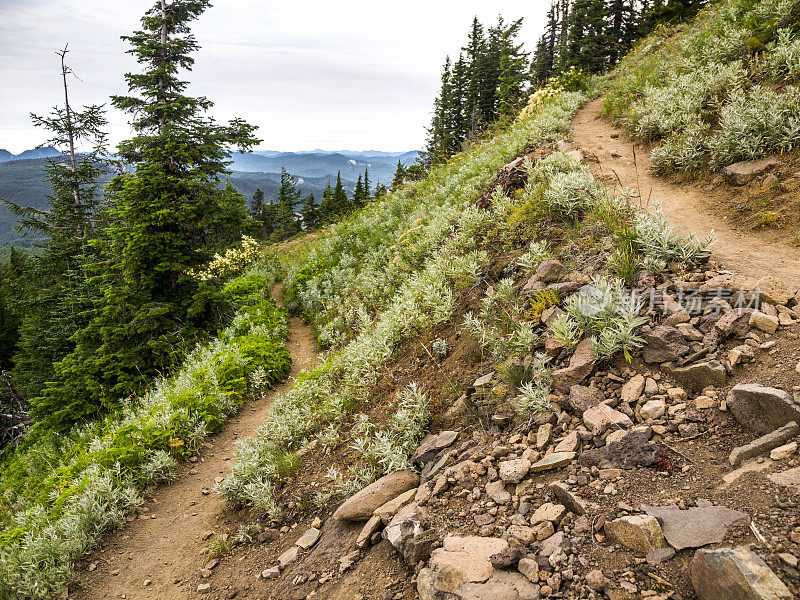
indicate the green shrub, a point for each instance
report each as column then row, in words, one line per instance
column 62, row 492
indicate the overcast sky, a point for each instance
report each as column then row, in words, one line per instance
column 357, row 75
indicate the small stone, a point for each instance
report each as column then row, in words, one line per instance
column 496, row 490
column 763, row 444
column 653, row 409
column 553, row 461
column 789, row 559
column 766, row 323
column 783, row 452
column 204, row 588
column 543, row 436
column 271, row 573
column 362, row 505
column 760, row 408
column 568, row 444
column 632, row 390
column 529, row 568
column 599, row 418
column 548, row 512
column 288, row 557
column 596, row 580
column 695, row 527
column 514, row 471
column 704, row 402
column 640, row 533
column 147, row 582
column 309, row 538
column 659, row 555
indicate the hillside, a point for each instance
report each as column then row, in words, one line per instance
column 23, row 180
column 561, row 364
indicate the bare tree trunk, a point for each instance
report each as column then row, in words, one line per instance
column 70, row 134
column 163, row 100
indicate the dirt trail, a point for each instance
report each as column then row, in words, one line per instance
column 750, row 253
column 165, row 543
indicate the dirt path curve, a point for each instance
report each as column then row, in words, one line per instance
column 165, row 543
column 746, row 252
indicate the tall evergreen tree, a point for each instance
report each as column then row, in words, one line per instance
column 310, row 212
column 358, row 193
column 587, row 45
column 399, row 176
column 327, row 210
column 259, row 213
column 367, row 185
column 163, row 223
column 513, row 70
column 286, row 224
column 59, row 304
column 341, row 202
column 477, row 67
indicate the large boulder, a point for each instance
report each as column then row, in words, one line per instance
column 362, row 505
column 762, row 409
column 663, row 344
column 735, row 574
column 745, row 171
column 695, row 527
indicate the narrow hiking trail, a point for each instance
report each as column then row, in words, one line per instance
column 158, row 555
column 750, row 253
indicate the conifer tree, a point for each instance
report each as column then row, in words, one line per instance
column 341, row 202
column 587, row 45
column 163, row 223
column 399, row 176
column 380, row 191
column 513, row 71
column 59, row 304
column 310, row 212
column 358, row 193
column 326, row 205
column 258, row 212
column 367, row 186
column 286, row 224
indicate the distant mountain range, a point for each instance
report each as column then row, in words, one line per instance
column 23, row 181
column 322, row 163
column 44, row 152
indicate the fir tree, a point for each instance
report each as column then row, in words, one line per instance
column 380, row 191
column 513, row 71
column 358, row 193
column 587, row 47
column 341, row 202
column 60, row 302
column 399, row 176
column 367, row 186
column 326, row 206
column 163, row 223
column 258, row 212
column 286, row 224
column 310, row 212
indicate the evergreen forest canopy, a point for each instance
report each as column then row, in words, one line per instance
column 493, row 74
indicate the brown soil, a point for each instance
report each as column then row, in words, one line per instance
column 691, row 207
column 164, row 545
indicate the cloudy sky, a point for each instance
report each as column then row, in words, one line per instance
column 311, row 74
